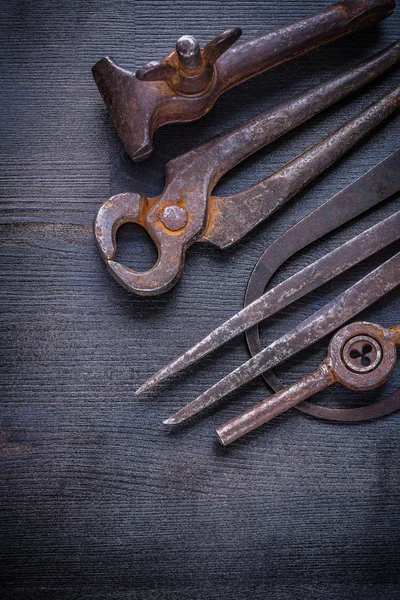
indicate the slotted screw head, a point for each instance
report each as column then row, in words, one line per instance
column 362, row 354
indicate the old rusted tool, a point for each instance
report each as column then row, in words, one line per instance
column 379, row 183
column 361, row 356
column 186, row 212
column 185, row 85
column 346, row 306
column 321, row 221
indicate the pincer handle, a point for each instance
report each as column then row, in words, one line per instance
column 134, row 208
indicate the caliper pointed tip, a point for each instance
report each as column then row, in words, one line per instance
column 144, row 387
column 171, row 421
column 184, row 414
column 150, row 383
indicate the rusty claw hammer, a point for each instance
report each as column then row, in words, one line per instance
column 185, row 84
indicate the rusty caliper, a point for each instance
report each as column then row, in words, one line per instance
column 185, row 85
column 365, row 292
column 186, row 212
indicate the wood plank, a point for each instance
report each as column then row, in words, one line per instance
column 99, row 501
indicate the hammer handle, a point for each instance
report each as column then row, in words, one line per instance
column 217, row 156
column 258, row 54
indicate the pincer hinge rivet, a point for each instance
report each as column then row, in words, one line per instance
column 174, row 217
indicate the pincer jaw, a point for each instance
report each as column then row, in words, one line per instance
column 153, row 282
column 120, row 209
column 134, row 208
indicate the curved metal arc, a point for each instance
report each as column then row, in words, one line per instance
column 368, row 412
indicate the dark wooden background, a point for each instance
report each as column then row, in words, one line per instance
column 99, row 501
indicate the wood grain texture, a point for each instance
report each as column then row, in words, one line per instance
column 98, row 500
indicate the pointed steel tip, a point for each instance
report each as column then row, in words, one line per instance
column 152, row 382
column 177, row 418
column 234, row 32
column 143, row 388
column 170, row 421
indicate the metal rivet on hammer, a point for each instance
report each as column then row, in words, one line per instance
column 189, row 55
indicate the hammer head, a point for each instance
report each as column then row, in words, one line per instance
column 186, row 83
column 182, row 87
column 132, row 104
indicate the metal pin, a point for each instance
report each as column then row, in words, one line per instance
column 189, row 55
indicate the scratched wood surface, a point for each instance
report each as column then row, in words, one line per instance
column 99, row 501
